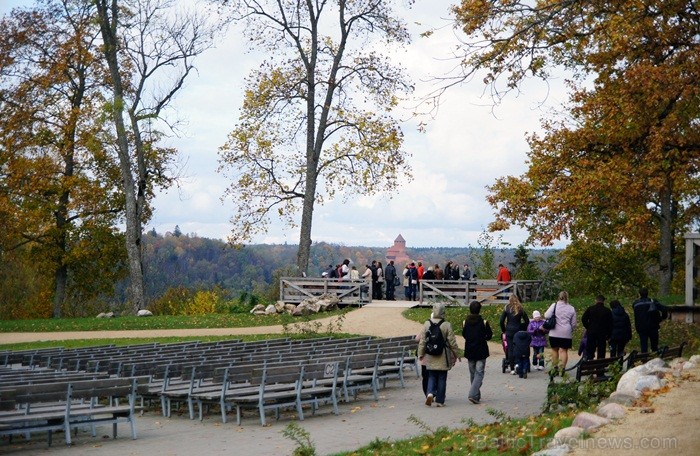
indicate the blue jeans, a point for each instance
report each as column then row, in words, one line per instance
column 412, row 291
column 535, row 360
column 476, row 377
column 437, row 384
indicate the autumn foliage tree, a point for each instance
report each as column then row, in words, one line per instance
column 621, row 167
column 59, row 187
column 316, row 118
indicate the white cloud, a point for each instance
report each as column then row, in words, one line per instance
column 466, row 147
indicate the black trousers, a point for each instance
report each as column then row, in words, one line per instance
column 595, row 346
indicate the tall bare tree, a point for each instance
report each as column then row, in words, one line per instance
column 154, row 43
column 316, row 119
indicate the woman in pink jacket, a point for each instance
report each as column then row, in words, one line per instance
column 560, row 338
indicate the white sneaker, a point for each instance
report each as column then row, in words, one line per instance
column 429, row 400
column 512, row 372
column 539, row 368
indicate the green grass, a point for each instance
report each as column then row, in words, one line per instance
column 672, row 333
column 235, row 320
column 503, row 436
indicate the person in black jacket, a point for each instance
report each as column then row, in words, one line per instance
column 521, row 351
column 621, row 329
column 390, row 277
column 598, row 321
column 648, row 314
column 476, row 332
column 512, row 318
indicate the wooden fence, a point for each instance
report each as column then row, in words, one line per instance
column 296, row 289
column 485, row 291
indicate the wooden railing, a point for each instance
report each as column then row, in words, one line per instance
column 296, row 289
column 485, row 291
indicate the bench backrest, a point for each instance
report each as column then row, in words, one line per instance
column 596, row 368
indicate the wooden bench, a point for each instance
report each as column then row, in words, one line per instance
column 596, row 369
column 671, row 353
column 63, row 406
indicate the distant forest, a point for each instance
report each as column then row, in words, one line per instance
column 181, row 260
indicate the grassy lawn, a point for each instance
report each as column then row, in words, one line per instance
column 503, row 436
column 234, row 320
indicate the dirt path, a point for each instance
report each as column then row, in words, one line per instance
column 667, row 424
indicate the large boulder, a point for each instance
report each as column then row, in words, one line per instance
column 270, row 310
column 612, row 411
column 144, row 313
column 567, row 435
column 588, row 421
column 105, row 315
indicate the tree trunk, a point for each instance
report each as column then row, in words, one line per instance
column 108, row 27
column 666, row 249
column 306, row 219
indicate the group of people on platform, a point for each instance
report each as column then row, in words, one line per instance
column 385, row 279
column 525, row 339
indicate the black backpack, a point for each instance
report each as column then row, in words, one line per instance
column 434, row 340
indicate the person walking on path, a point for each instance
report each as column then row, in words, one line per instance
column 512, row 317
column 648, row 314
column 438, row 365
column 539, row 339
column 621, row 329
column 561, row 336
column 598, row 321
column 476, row 332
column 390, row 276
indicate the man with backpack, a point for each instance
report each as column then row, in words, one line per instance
column 438, row 348
column 648, row 314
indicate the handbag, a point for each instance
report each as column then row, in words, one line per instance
column 551, row 322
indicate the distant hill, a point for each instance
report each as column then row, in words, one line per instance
column 194, row 262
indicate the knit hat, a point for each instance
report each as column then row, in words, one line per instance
column 536, row 314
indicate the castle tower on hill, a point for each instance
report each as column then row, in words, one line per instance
column 397, row 253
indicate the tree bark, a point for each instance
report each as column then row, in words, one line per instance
column 108, row 27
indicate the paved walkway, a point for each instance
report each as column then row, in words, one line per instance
column 360, row 422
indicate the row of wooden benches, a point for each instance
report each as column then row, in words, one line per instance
column 277, row 378
column 597, row 369
column 70, row 405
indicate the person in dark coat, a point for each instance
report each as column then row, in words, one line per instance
column 598, row 321
column 390, row 276
column 512, row 317
column 648, row 314
column 476, row 332
column 521, row 351
column 621, row 330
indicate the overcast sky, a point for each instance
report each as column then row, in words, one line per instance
column 467, row 146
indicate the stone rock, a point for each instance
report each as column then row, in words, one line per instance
column 270, row 310
column 620, row 398
column 144, row 313
column 628, row 382
column 589, row 421
column 558, row 450
column 612, row 411
column 257, row 309
column 279, row 307
column 301, row 310
column 105, row 315
column 688, row 365
column 648, row 382
column 289, row 308
column 695, row 359
column 567, row 435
